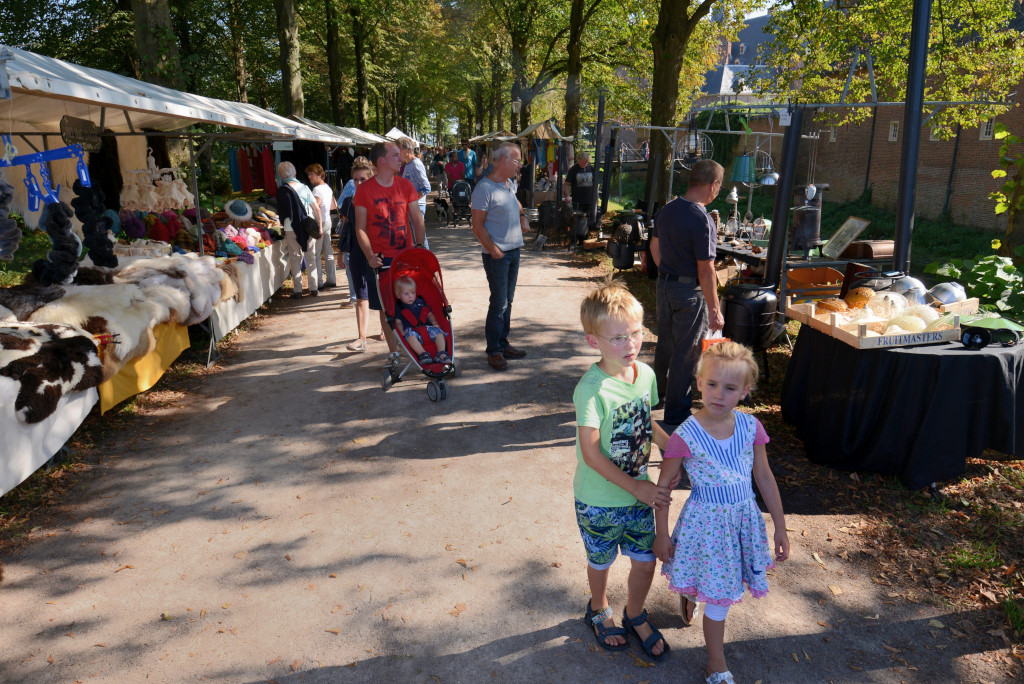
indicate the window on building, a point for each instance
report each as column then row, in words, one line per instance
column 985, row 132
column 743, row 48
column 894, row 131
column 933, row 134
column 831, row 133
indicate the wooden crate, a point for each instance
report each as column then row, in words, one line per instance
column 967, row 307
column 856, row 335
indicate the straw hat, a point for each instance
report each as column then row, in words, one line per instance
column 239, row 210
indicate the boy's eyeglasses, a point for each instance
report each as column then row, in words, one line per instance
column 620, row 340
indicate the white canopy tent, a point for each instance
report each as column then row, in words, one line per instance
column 396, row 133
column 85, row 93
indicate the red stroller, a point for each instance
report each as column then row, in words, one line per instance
column 420, row 265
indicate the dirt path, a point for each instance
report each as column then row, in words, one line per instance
column 292, row 522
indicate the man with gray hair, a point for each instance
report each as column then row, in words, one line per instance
column 683, row 244
column 414, row 172
column 498, row 224
column 295, row 202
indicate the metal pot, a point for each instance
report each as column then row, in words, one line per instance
column 906, row 284
column 947, row 293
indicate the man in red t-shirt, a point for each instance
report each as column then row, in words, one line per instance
column 388, row 221
column 454, row 170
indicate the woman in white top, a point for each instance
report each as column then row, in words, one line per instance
column 324, row 245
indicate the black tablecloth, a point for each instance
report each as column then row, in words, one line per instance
column 916, row 412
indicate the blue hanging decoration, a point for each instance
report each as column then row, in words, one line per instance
column 44, row 193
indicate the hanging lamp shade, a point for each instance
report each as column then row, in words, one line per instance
column 743, row 170
column 769, row 178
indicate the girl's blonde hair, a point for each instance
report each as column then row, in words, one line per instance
column 731, row 354
column 610, row 301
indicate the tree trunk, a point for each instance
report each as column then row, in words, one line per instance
column 337, row 97
column 236, row 50
column 359, row 55
column 669, row 41
column 478, row 102
column 291, row 71
column 183, row 33
column 574, row 48
column 156, row 44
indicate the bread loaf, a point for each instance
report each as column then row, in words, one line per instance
column 832, row 304
column 857, row 298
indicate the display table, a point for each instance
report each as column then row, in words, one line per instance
column 139, row 374
column 916, row 412
column 256, row 284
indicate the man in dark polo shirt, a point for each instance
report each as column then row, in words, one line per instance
column 683, row 246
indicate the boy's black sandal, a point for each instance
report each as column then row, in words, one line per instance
column 632, row 623
column 595, row 620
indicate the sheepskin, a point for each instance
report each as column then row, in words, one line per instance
column 26, row 298
column 197, row 276
column 120, row 309
column 41, row 363
column 229, row 284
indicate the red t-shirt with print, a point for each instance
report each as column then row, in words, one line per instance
column 387, row 214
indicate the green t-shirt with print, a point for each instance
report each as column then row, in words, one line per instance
column 622, row 412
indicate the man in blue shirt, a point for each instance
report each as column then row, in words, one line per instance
column 468, row 158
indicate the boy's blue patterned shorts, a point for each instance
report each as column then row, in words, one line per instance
column 606, row 529
column 432, row 331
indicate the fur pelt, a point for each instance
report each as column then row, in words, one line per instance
column 94, row 275
column 60, row 264
column 41, row 363
column 10, row 233
column 96, row 225
column 6, row 315
column 229, row 284
column 123, row 310
column 26, row 298
column 198, row 276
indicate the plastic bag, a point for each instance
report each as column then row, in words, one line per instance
column 711, row 337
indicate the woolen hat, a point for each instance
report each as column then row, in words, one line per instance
column 239, row 210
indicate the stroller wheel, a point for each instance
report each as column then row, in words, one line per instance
column 434, row 390
column 386, row 379
column 457, row 367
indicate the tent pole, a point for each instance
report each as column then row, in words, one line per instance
column 195, row 189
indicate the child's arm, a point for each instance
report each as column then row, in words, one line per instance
column 670, row 471
column 660, row 436
column 645, row 491
column 770, row 493
column 431, row 319
column 399, row 328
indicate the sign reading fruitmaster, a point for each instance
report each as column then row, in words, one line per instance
column 80, row 132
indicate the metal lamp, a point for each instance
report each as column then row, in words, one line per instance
column 743, row 170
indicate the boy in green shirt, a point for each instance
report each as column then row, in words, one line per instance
column 615, row 497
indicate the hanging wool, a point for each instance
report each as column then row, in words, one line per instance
column 10, row 234
column 96, row 224
column 61, row 263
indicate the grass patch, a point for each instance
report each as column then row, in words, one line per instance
column 974, row 556
column 35, row 244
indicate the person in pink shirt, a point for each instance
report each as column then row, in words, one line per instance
column 454, row 170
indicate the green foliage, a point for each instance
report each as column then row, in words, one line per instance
column 975, row 556
column 993, row 279
column 35, row 244
column 1015, row 614
column 974, row 54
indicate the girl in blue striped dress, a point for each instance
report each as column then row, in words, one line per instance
column 720, row 545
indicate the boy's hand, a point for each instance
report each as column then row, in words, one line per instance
column 781, row 544
column 652, row 495
column 663, row 548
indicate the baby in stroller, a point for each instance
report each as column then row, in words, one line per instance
column 412, row 314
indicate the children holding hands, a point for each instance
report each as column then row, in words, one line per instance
column 615, row 497
column 719, row 546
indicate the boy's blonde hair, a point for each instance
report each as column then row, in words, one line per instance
column 731, row 353
column 404, row 284
column 610, row 301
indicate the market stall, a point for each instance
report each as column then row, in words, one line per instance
column 104, row 326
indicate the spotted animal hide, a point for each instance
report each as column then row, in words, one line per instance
column 39, row 364
column 24, row 299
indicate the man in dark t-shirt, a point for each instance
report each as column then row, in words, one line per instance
column 579, row 186
column 683, row 246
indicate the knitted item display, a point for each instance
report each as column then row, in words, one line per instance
column 133, row 226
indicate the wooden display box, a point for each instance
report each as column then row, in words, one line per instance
column 967, row 307
column 858, row 335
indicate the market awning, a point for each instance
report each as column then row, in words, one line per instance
column 544, row 130
column 124, row 104
column 330, row 128
column 360, row 136
column 496, row 135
